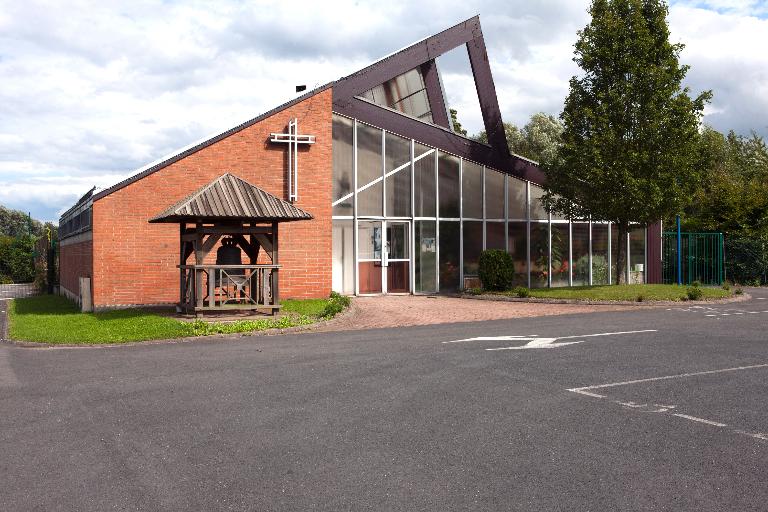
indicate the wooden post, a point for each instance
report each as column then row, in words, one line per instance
column 182, row 260
column 274, row 284
column 199, row 258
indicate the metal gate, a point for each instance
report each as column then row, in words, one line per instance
column 702, row 256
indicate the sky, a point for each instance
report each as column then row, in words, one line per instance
column 91, row 91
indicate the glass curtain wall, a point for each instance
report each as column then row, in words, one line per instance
column 600, row 256
column 580, row 253
column 451, row 210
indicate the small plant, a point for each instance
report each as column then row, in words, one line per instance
column 496, row 269
column 738, row 291
column 640, row 298
column 474, row 291
column 522, row 292
column 727, row 286
column 696, row 284
column 336, row 304
column 694, row 293
column 4, row 279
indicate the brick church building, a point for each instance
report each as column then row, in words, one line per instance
column 373, row 189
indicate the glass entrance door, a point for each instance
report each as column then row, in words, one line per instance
column 398, row 257
column 384, row 256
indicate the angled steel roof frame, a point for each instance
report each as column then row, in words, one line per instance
column 347, row 100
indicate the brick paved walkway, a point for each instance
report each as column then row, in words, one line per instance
column 399, row 311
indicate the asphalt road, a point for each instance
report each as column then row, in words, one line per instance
column 395, row 419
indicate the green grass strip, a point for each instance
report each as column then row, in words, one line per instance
column 630, row 292
column 54, row 319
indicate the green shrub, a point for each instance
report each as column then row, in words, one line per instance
column 727, row 286
column 738, row 291
column 694, row 293
column 640, row 298
column 336, row 304
column 4, row 279
column 522, row 292
column 496, row 269
column 474, row 291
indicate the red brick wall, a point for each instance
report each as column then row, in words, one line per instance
column 135, row 262
column 75, row 261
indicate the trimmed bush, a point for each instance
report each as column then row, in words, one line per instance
column 694, row 293
column 496, row 269
column 522, row 292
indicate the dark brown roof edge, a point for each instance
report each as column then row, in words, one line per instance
column 175, row 158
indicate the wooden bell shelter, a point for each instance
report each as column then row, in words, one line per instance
column 240, row 218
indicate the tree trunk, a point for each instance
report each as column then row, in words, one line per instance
column 620, row 270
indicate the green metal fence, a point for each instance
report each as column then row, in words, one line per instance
column 702, row 258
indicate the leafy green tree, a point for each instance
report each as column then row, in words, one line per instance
column 538, row 140
column 456, row 124
column 16, row 223
column 629, row 149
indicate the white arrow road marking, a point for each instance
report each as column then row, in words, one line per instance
column 541, row 342
column 526, row 337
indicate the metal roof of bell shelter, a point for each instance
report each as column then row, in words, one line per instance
column 231, row 198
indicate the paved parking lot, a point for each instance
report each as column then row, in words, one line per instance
column 643, row 409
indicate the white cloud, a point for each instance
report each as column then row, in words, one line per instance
column 94, row 90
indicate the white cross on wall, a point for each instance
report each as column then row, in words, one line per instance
column 293, row 139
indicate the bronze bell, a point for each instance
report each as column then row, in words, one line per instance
column 229, row 254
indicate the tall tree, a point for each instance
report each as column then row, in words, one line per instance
column 630, row 144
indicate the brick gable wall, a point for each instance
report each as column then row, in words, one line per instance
column 134, row 262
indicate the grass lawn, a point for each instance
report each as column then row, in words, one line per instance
column 54, row 319
column 630, row 292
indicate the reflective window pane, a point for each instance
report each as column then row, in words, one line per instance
column 473, row 246
column 472, row 190
column 425, row 257
column 537, row 209
column 342, row 164
column 539, row 254
column 615, row 256
column 369, row 169
column 343, row 257
column 560, row 265
column 518, row 249
column 580, row 232
column 516, row 199
column 494, row 194
column 398, row 185
column 449, row 244
column 448, row 183
column 637, row 255
column 600, row 256
column 494, row 236
column 424, row 181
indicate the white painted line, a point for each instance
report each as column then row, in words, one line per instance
column 667, row 377
column 756, row 435
column 605, row 334
column 699, row 420
column 738, row 313
column 710, row 315
column 761, row 298
column 726, row 314
column 587, row 393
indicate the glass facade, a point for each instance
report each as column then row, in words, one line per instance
column 580, row 253
column 420, row 218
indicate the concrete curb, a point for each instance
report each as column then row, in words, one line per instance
column 584, row 302
column 4, row 320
